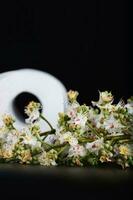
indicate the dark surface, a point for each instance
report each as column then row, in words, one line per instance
column 41, row 181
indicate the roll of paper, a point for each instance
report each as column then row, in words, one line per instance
column 50, row 92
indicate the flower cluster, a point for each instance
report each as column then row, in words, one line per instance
column 86, row 135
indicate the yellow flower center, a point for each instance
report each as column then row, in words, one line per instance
column 124, row 150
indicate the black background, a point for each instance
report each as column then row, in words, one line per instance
column 85, row 46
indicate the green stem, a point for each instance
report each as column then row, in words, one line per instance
column 42, row 117
column 56, row 146
column 59, row 146
column 93, row 130
column 48, row 145
column 127, row 141
column 83, row 140
column 62, row 146
column 116, row 138
column 119, row 137
column 62, row 149
column 47, row 133
column 11, row 127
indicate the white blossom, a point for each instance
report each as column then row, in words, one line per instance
column 80, row 119
column 31, row 140
column 112, row 125
column 33, row 117
column 104, row 98
column 10, row 137
column 67, row 137
column 48, row 158
column 8, row 140
column 50, row 139
column 72, row 110
column 98, row 120
column 77, row 150
column 129, row 107
column 95, row 146
column 33, row 112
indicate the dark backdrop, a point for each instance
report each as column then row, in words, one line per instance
column 85, row 46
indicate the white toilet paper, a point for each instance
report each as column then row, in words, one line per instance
column 48, row 89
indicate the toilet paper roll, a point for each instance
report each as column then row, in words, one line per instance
column 46, row 88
